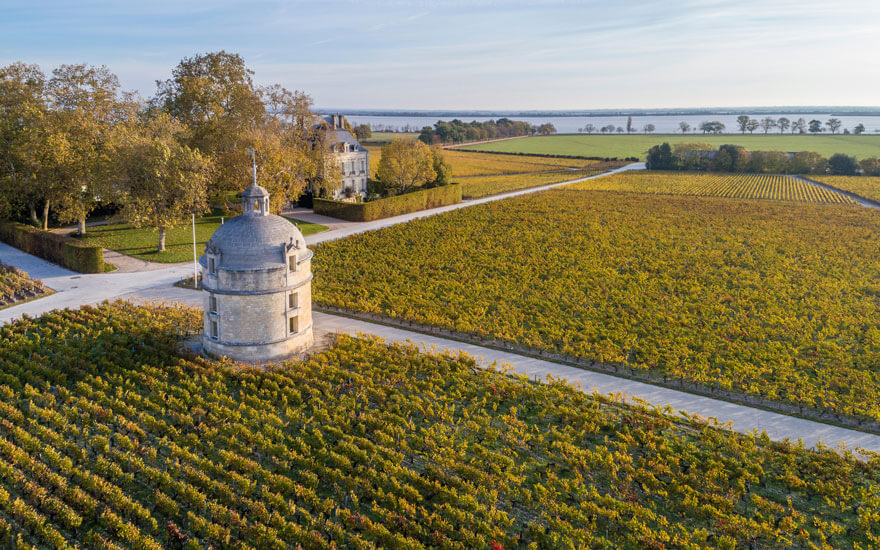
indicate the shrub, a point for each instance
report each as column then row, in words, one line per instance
column 842, row 165
column 391, row 206
column 64, row 251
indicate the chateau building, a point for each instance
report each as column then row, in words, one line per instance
column 256, row 278
column 351, row 157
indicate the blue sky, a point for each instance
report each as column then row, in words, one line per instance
column 481, row 54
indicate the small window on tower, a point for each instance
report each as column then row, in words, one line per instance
column 212, row 267
column 215, row 330
column 293, row 300
column 294, row 324
column 291, row 262
column 212, row 301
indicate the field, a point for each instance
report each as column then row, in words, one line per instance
column 622, row 146
column 773, row 299
column 488, row 174
column 16, row 286
column 481, row 186
column 866, row 187
column 109, row 438
column 741, row 186
column 142, row 243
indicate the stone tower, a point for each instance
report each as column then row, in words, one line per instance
column 256, row 277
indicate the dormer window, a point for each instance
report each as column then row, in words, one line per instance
column 291, row 262
column 212, row 266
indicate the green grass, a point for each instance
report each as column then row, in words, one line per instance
column 381, row 138
column 141, row 243
column 622, row 146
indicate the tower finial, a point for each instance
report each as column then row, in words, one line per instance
column 254, row 159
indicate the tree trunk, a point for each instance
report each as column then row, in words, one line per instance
column 161, row 239
column 82, row 226
column 46, row 216
column 33, row 212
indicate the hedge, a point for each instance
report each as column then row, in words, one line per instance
column 391, row 206
column 64, row 251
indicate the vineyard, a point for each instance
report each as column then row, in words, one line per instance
column 110, row 438
column 863, row 186
column 777, row 300
column 740, row 186
column 482, row 186
column 16, row 286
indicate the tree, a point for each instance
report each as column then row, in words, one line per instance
column 806, row 162
column 713, row 127
column 684, row 127
column 214, row 96
column 589, row 128
column 660, row 157
column 833, row 125
column 731, row 158
column 859, row 129
column 620, row 129
column 161, row 181
column 406, row 165
column 870, row 166
column 742, row 121
column 815, row 126
column 629, row 125
column 23, row 110
column 546, row 129
column 799, row 126
column 842, row 165
column 363, row 132
column 767, row 124
column 442, row 168
column 84, row 107
column 783, row 123
column 753, row 125
column 649, row 128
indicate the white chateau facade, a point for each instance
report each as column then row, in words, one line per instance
column 351, row 157
column 256, row 278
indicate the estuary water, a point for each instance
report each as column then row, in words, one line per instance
column 663, row 124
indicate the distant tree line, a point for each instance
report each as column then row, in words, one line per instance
column 733, row 158
column 457, row 131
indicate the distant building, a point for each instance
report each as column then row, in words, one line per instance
column 256, row 276
column 352, row 158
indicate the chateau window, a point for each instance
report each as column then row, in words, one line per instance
column 291, row 262
column 294, row 324
column 215, row 330
column 256, row 206
column 212, row 266
column 293, row 300
column 212, row 304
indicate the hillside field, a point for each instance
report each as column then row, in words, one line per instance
column 637, row 145
column 739, row 186
column 111, row 438
column 776, row 299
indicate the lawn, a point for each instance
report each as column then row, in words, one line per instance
column 770, row 298
column 141, row 243
column 622, row 146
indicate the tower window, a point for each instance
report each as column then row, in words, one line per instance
column 215, row 330
column 292, row 300
column 291, row 262
column 212, row 267
column 294, row 324
column 212, row 304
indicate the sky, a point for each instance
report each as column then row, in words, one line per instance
column 480, row 54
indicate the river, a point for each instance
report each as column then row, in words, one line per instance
column 663, row 124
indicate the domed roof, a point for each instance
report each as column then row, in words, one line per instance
column 254, row 242
column 254, row 192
